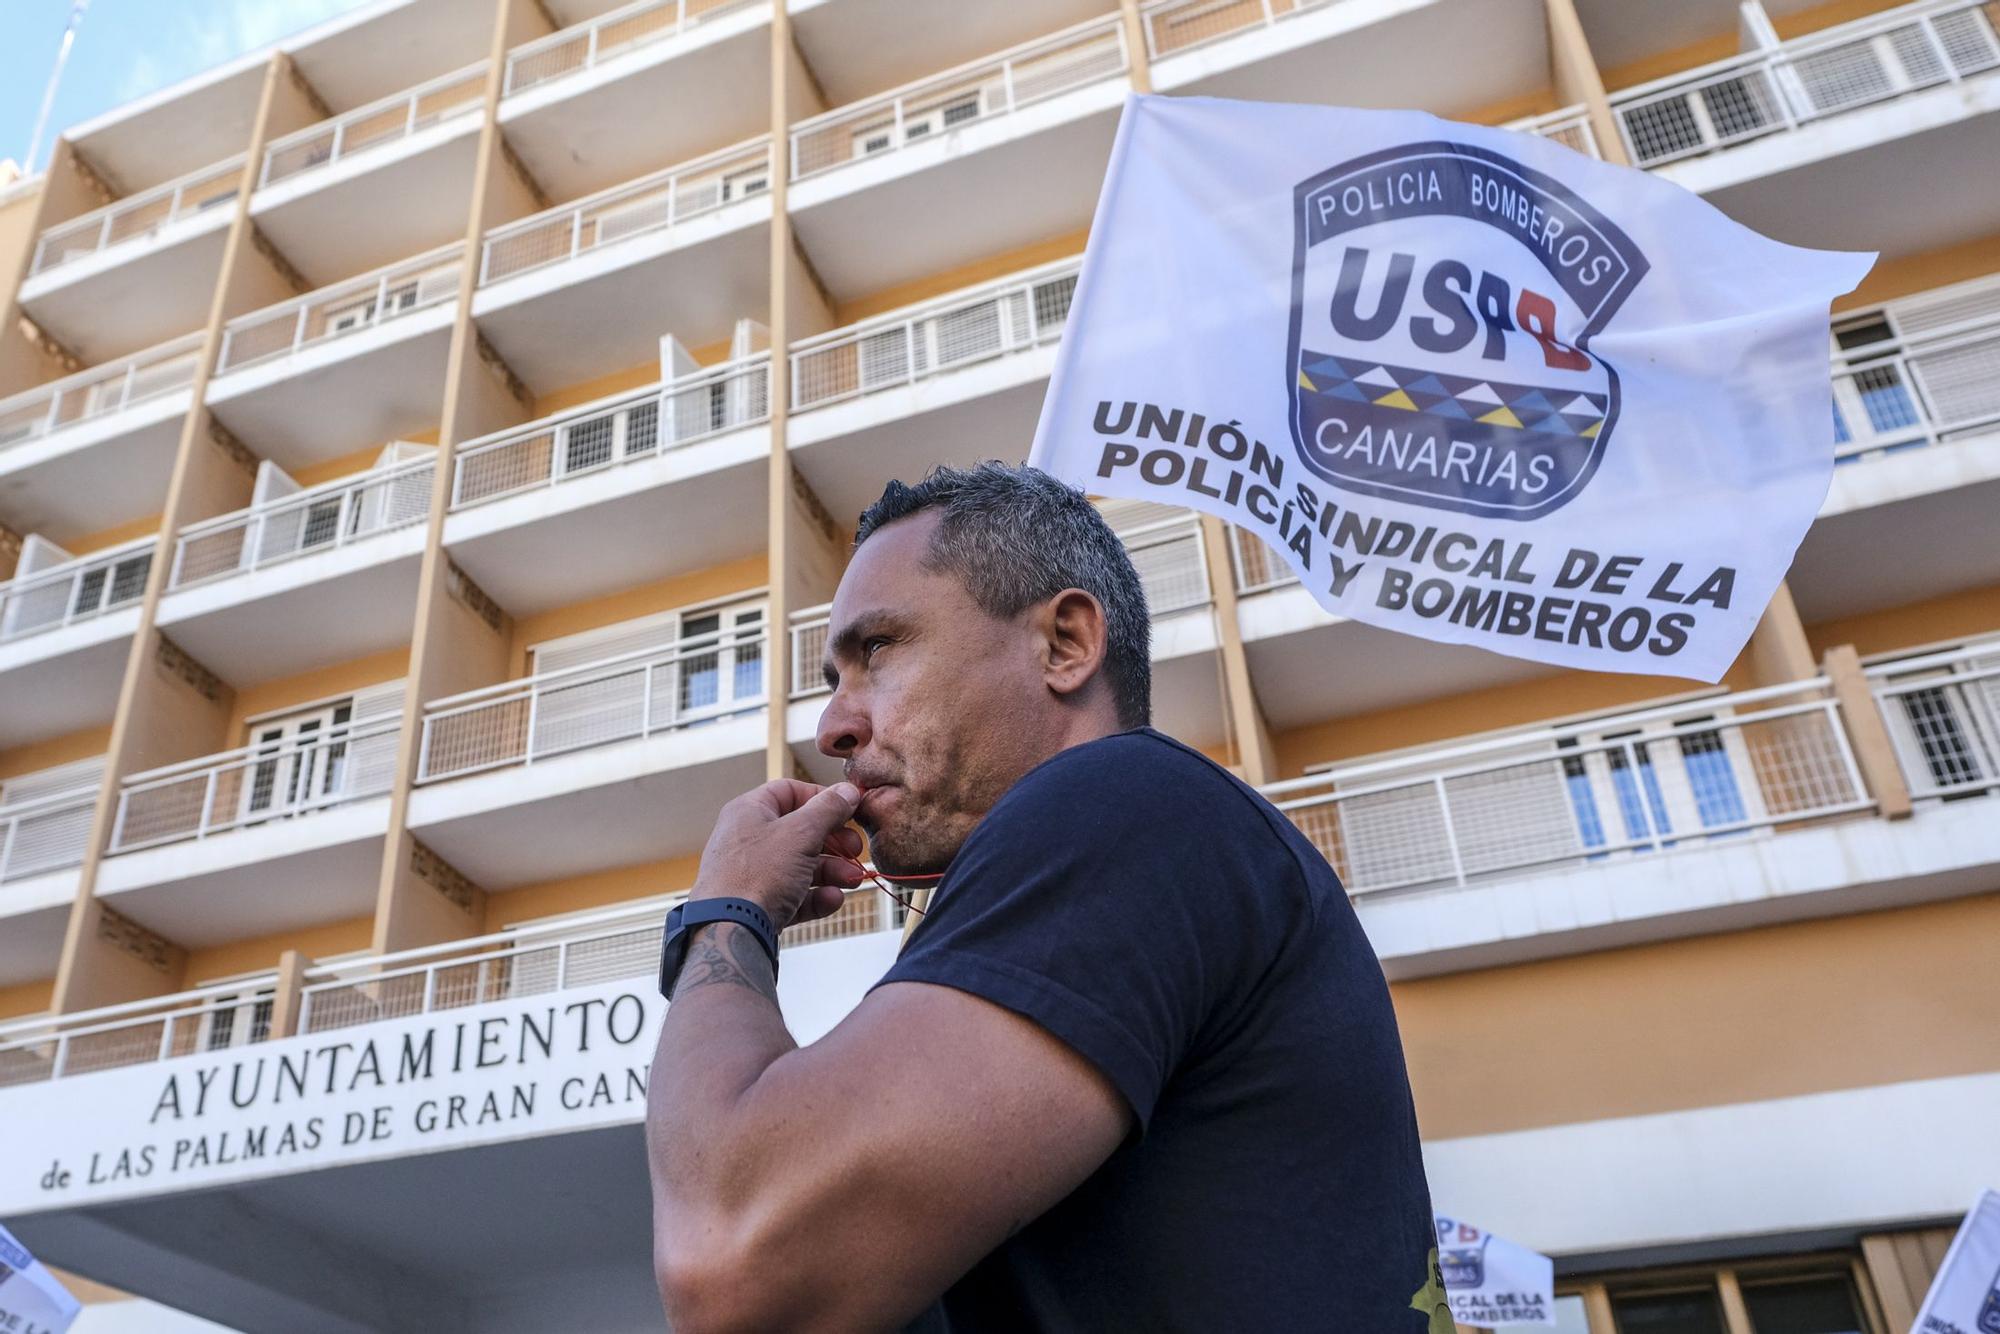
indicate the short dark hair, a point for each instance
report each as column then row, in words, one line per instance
column 1017, row 536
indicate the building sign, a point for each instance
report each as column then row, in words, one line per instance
column 1965, row 1296
column 1469, row 384
column 1491, row 1282
column 568, row 1060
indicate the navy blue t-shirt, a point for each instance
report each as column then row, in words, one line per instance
column 1164, row 920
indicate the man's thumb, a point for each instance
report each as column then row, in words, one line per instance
column 830, row 807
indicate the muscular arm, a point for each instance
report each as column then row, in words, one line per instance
column 846, row 1184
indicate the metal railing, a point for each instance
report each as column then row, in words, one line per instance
column 587, row 44
column 1647, row 781
column 962, row 329
column 612, row 946
column 1173, row 26
column 1943, row 715
column 1851, row 65
column 1258, row 567
column 614, row 431
column 319, row 518
column 649, row 204
column 1941, row 384
column 621, row 698
column 137, row 215
column 101, row 390
column 1568, row 126
column 808, row 629
column 212, row 1018
column 394, row 117
column 344, row 308
column 255, row 783
column 46, row 834
column 981, row 90
column 75, row 590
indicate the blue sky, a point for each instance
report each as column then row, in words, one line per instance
column 125, row 49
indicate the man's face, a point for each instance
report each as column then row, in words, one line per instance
column 937, row 707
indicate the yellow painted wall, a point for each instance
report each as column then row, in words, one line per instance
column 17, row 220
column 965, row 275
column 26, row 997
column 1513, row 108
column 361, row 460
column 1965, row 615
column 55, row 750
column 1724, row 43
column 717, row 581
column 85, row 543
column 261, row 952
column 1921, row 272
column 603, row 889
column 1845, row 1002
column 342, row 678
column 621, row 382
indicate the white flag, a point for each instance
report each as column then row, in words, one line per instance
column 31, row 1300
column 1472, row 385
column 1965, row 1296
column 1492, row 1282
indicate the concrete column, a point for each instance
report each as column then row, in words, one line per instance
column 780, row 526
column 1867, row 733
column 1735, row 1315
column 1573, row 69
column 1597, row 1309
column 285, row 1003
column 1779, row 650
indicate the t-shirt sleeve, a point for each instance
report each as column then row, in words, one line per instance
column 1092, row 901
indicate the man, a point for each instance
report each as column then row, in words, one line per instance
column 1136, row 1068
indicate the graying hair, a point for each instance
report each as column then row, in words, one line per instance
column 1017, row 536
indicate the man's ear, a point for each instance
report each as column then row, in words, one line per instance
column 1073, row 641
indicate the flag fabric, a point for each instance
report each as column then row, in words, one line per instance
column 31, row 1300
column 1490, row 1281
column 1965, row 1296
column 1469, row 384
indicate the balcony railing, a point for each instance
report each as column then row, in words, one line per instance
column 1648, row 781
column 588, row 44
column 101, row 390
column 638, row 694
column 75, row 590
column 1568, row 126
column 960, row 330
column 214, row 1018
column 381, row 122
column 1941, row 384
column 253, row 784
column 317, row 519
column 47, row 834
column 1943, row 713
column 611, row 946
column 138, row 215
column 649, row 204
column 344, row 308
column 979, row 91
column 1854, row 64
column 621, row 430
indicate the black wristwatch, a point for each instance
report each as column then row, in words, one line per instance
column 686, row 916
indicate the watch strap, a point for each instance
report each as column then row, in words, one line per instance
column 686, row 916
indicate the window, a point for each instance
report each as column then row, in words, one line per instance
column 1693, row 1312
column 1799, row 1295
column 1823, row 1305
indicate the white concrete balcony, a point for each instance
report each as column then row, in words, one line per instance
column 94, row 449
column 327, row 574
column 611, row 763
column 986, row 157
column 594, row 283
column 321, row 192
column 1475, row 53
column 1788, row 138
column 1943, row 713
column 360, row 360
column 954, row 380
column 65, row 630
column 269, row 837
column 614, row 494
column 694, row 73
column 136, row 272
column 205, row 1019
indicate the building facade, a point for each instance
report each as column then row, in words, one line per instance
column 427, row 450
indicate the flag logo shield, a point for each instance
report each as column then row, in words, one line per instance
column 1428, row 364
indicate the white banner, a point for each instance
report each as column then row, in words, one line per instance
column 1470, row 384
column 31, row 1300
column 1965, row 1296
column 1492, row 1282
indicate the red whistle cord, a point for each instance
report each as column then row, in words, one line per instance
column 868, row 875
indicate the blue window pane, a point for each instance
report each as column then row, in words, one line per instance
column 1888, row 405
column 1717, row 799
column 1841, row 435
column 1583, row 802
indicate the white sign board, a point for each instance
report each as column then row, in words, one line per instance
column 1490, row 1281
column 1965, row 1296
column 31, row 1300
column 1469, row 384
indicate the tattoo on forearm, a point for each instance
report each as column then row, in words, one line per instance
column 727, row 955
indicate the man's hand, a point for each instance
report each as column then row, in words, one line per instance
column 786, row 847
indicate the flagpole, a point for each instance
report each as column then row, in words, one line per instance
column 55, row 77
